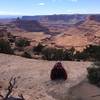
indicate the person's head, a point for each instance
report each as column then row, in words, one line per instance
column 58, row 65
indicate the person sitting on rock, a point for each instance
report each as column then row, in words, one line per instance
column 58, row 72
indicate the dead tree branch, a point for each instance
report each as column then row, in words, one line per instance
column 12, row 83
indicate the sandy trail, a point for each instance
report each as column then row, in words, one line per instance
column 33, row 77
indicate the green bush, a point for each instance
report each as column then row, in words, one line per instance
column 70, row 54
column 81, row 56
column 91, row 53
column 56, row 54
column 38, row 48
column 94, row 74
column 52, row 54
column 22, row 42
column 5, row 47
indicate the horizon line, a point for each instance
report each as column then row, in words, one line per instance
column 16, row 15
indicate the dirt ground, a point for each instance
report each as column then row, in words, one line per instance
column 85, row 91
column 33, row 77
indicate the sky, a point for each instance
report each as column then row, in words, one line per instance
column 48, row 7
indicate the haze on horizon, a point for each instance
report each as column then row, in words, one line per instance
column 48, row 7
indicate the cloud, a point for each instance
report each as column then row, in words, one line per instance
column 41, row 4
column 74, row 0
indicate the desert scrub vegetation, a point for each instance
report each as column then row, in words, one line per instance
column 38, row 49
column 57, row 54
column 22, row 42
column 94, row 74
column 5, row 47
column 91, row 53
column 52, row 54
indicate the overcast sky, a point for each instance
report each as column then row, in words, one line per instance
column 47, row 7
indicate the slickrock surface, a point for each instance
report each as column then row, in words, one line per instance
column 33, row 77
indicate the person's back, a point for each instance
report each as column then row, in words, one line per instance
column 58, row 72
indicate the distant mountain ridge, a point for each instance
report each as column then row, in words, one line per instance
column 60, row 23
column 29, row 25
column 62, row 17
